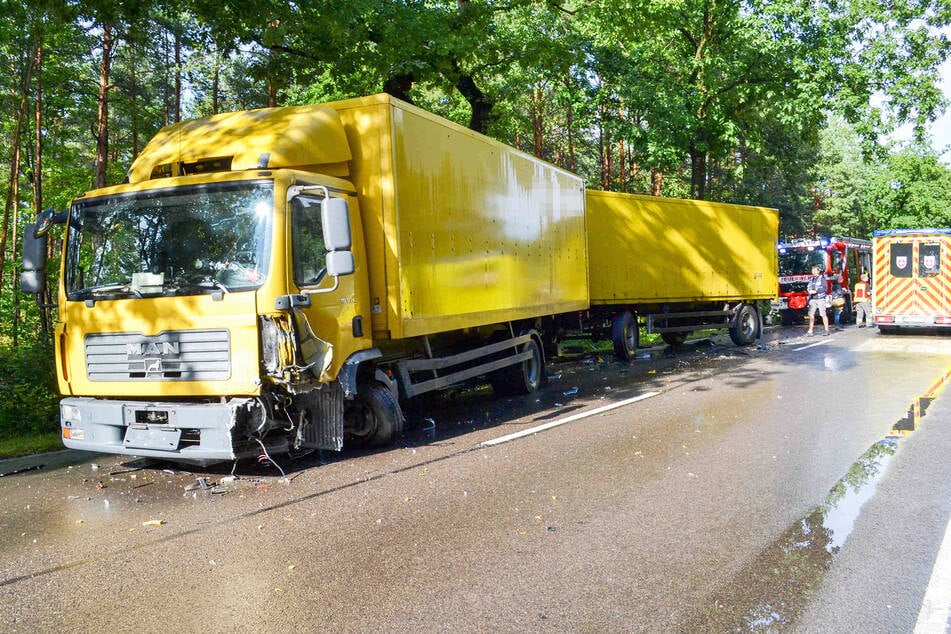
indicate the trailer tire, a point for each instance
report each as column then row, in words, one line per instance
column 373, row 418
column 624, row 334
column 745, row 328
column 674, row 339
column 521, row 378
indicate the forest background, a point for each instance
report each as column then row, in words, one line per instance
column 781, row 103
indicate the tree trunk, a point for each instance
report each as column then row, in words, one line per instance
column 102, row 117
column 134, row 99
column 569, row 121
column 698, row 174
column 657, row 181
column 13, row 189
column 43, row 298
column 622, row 161
column 479, row 102
column 399, row 86
column 538, row 122
column 178, row 76
column 216, row 81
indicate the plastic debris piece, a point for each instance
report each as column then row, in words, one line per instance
column 94, row 467
column 153, row 523
column 219, row 490
column 571, row 392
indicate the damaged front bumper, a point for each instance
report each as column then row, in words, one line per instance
column 199, row 433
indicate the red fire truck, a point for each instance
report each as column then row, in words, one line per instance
column 912, row 281
column 842, row 260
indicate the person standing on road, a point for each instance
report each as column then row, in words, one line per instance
column 863, row 303
column 817, row 299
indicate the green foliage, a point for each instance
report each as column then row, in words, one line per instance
column 28, row 393
column 912, row 189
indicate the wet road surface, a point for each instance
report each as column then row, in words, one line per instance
column 776, row 487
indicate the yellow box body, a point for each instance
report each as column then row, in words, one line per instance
column 461, row 230
column 646, row 249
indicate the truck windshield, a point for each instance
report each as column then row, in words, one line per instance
column 801, row 262
column 182, row 241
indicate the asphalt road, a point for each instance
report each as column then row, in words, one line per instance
column 714, row 489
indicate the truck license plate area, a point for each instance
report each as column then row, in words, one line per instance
column 144, row 437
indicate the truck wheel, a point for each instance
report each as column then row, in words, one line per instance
column 674, row 339
column 746, row 326
column 373, row 418
column 521, row 378
column 624, row 335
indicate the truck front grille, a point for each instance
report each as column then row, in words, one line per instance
column 174, row 355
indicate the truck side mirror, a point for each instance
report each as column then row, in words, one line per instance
column 33, row 276
column 340, row 263
column 335, row 218
column 46, row 219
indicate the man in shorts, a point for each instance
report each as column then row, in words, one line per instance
column 817, row 299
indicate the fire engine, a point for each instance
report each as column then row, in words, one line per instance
column 912, row 284
column 841, row 260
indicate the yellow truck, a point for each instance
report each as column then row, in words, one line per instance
column 284, row 279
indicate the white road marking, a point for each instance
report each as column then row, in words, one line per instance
column 567, row 419
column 936, row 606
column 812, row 345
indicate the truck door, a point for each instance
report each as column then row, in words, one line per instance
column 930, row 288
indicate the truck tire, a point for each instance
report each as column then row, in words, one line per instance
column 674, row 339
column 624, row 335
column 373, row 418
column 521, row 378
column 746, row 325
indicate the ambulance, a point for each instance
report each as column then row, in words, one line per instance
column 911, row 285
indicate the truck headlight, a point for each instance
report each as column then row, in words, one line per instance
column 70, row 414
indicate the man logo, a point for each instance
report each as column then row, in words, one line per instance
column 930, row 262
column 901, row 261
column 152, row 349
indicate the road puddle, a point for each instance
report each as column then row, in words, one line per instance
column 773, row 590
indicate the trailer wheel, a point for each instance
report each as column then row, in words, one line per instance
column 746, row 325
column 624, row 335
column 521, row 378
column 373, row 418
column 674, row 339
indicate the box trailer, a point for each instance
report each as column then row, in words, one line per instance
column 911, row 284
column 678, row 266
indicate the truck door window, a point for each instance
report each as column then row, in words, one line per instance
column 929, row 260
column 900, row 259
column 836, row 258
column 309, row 252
